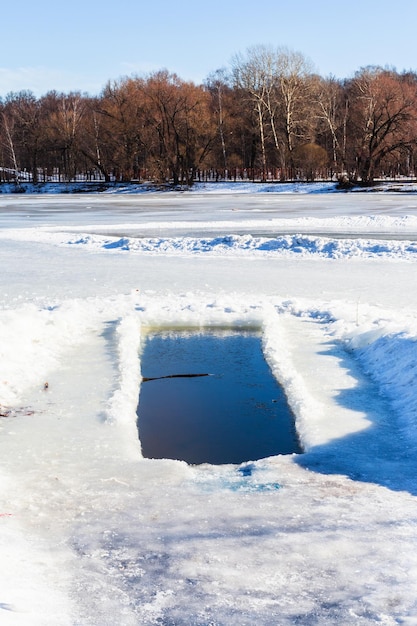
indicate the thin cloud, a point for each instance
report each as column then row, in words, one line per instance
column 138, row 68
column 40, row 80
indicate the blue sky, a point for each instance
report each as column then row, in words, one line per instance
column 82, row 44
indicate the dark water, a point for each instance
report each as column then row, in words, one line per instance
column 236, row 413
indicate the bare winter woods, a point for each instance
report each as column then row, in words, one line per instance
column 268, row 117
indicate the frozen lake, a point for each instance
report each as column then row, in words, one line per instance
column 185, row 213
column 92, row 533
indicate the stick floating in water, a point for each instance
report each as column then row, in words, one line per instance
column 146, row 379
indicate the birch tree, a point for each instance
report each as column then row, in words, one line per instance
column 294, row 93
column 331, row 113
column 28, row 128
column 7, row 121
column 255, row 74
column 278, row 83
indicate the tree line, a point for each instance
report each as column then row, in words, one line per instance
column 267, row 117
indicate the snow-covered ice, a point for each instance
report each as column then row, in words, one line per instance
column 92, row 534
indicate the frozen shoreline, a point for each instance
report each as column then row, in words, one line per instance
column 401, row 185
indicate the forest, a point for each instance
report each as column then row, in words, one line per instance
column 268, row 117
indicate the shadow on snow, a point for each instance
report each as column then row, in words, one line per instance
column 383, row 453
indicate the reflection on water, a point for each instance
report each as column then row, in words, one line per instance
column 211, row 398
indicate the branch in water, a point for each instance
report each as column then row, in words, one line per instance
column 145, row 379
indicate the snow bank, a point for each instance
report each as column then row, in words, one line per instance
column 36, row 341
column 32, row 343
column 306, row 246
column 390, row 358
column 299, row 245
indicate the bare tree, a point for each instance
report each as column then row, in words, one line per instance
column 26, row 121
column 331, row 111
column 295, row 91
column 255, row 73
column 382, row 121
column 122, row 122
column 63, row 127
column 217, row 85
column 278, row 83
column 180, row 129
column 8, row 127
column 91, row 142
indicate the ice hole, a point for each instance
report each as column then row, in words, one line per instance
column 210, row 397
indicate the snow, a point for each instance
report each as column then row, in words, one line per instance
column 94, row 534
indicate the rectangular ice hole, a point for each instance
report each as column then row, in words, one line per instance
column 210, row 397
